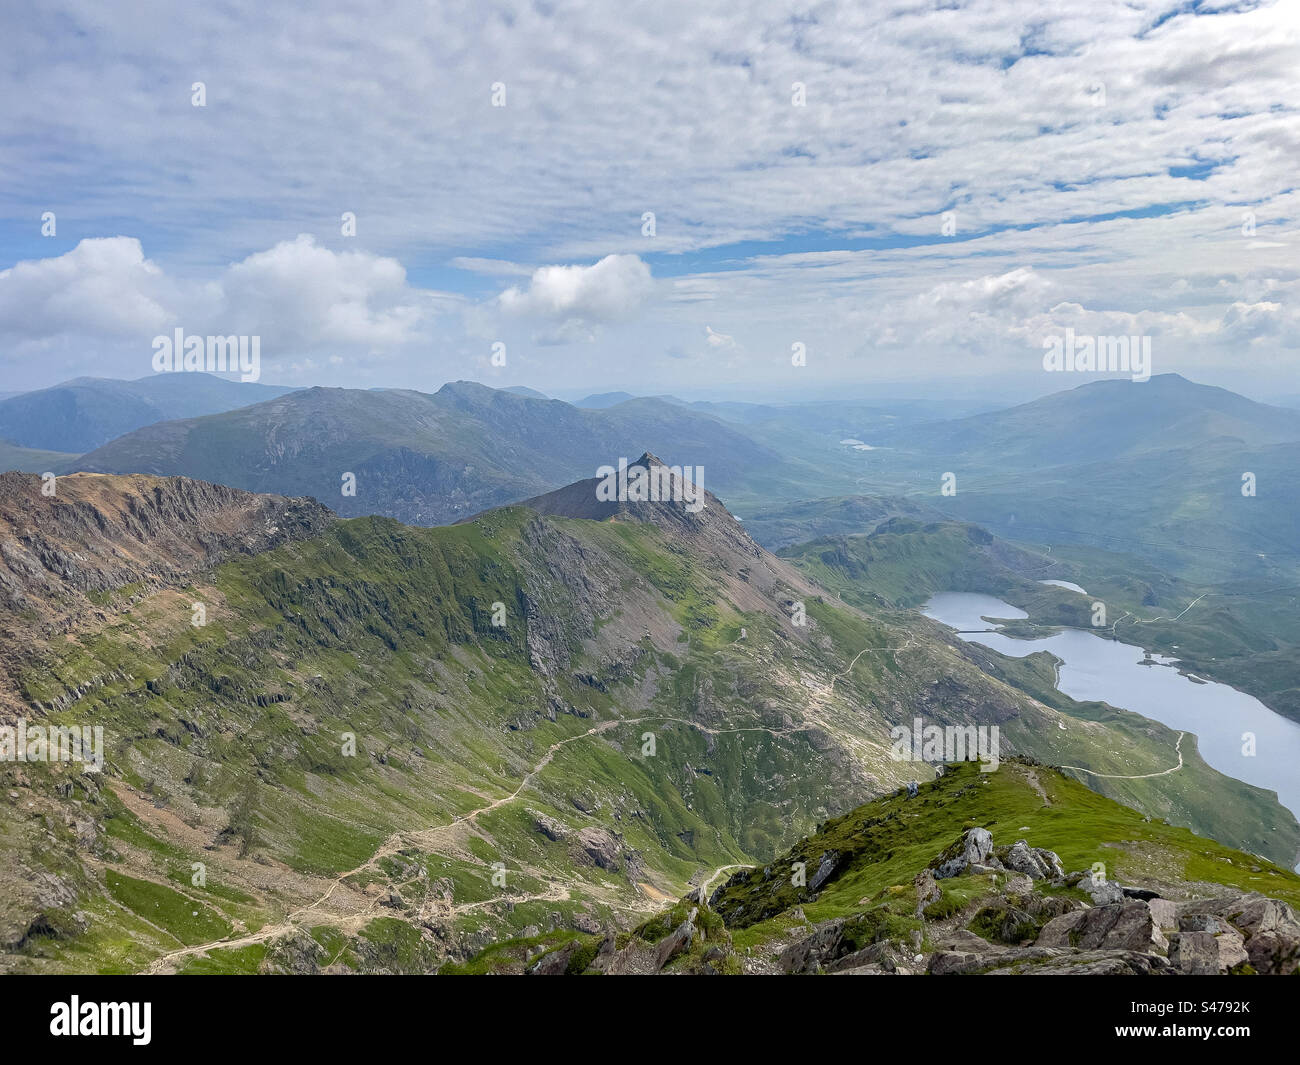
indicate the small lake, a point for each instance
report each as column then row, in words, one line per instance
column 1110, row 671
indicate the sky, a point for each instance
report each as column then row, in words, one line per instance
column 746, row 199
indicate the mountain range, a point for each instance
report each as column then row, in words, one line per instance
column 359, row 744
column 82, row 414
column 425, row 458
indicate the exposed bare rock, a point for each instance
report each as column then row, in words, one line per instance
column 676, row 942
column 598, row 846
column 972, row 849
column 100, row 533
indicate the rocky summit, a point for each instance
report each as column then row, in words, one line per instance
column 1151, row 905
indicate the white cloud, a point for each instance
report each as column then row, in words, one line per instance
column 986, row 110
column 609, row 290
column 103, row 287
column 718, row 340
column 302, row 299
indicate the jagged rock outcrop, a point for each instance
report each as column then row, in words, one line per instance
column 98, row 534
column 677, row 941
column 1035, row 862
column 973, row 848
column 598, row 846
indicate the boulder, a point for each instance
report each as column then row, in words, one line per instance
column 884, row 956
column 1194, row 953
column 825, row 867
column 1164, row 913
column 927, row 891
column 973, row 848
column 1269, row 928
column 1203, row 922
column 956, row 963
column 675, row 942
column 1091, row 963
column 1059, row 931
column 1103, row 892
column 548, row 827
column 1019, row 884
column 1119, row 926
column 1272, row 931
column 813, row 953
column 964, row 941
column 555, row 962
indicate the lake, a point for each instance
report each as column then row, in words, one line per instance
column 1094, row 668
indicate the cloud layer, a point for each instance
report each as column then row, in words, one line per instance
column 907, row 190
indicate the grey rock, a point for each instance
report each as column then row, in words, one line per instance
column 556, row 962
column 813, row 953
column 927, row 891
column 599, row 846
column 1103, row 892
column 973, row 848
column 549, row 827
column 676, row 942
column 1118, row 926
column 1034, row 862
column 825, row 867
column 1194, row 953
column 1164, row 912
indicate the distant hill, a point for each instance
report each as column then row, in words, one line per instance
column 30, row 460
column 427, row 459
column 86, row 412
column 603, row 399
column 1105, row 420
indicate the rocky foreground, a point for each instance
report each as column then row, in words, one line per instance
column 917, row 883
column 1034, row 923
column 1034, row 919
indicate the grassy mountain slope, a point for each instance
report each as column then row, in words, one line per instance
column 872, row 908
column 646, row 715
column 31, row 460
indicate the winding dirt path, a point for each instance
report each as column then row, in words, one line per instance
column 704, row 887
column 1139, row 776
column 395, row 843
column 398, row 840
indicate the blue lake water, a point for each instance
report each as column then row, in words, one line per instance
column 1109, row 671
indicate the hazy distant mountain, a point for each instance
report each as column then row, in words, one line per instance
column 1103, row 420
column 30, row 460
column 88, row 411
column 603, row 399
column 521, row 390
column 427, row 459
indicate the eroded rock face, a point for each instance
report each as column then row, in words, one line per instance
column 1269, row 929
column 98, row 534
column 599, row 846
column 549, row 827
column 677, row 941
column 810, row 955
